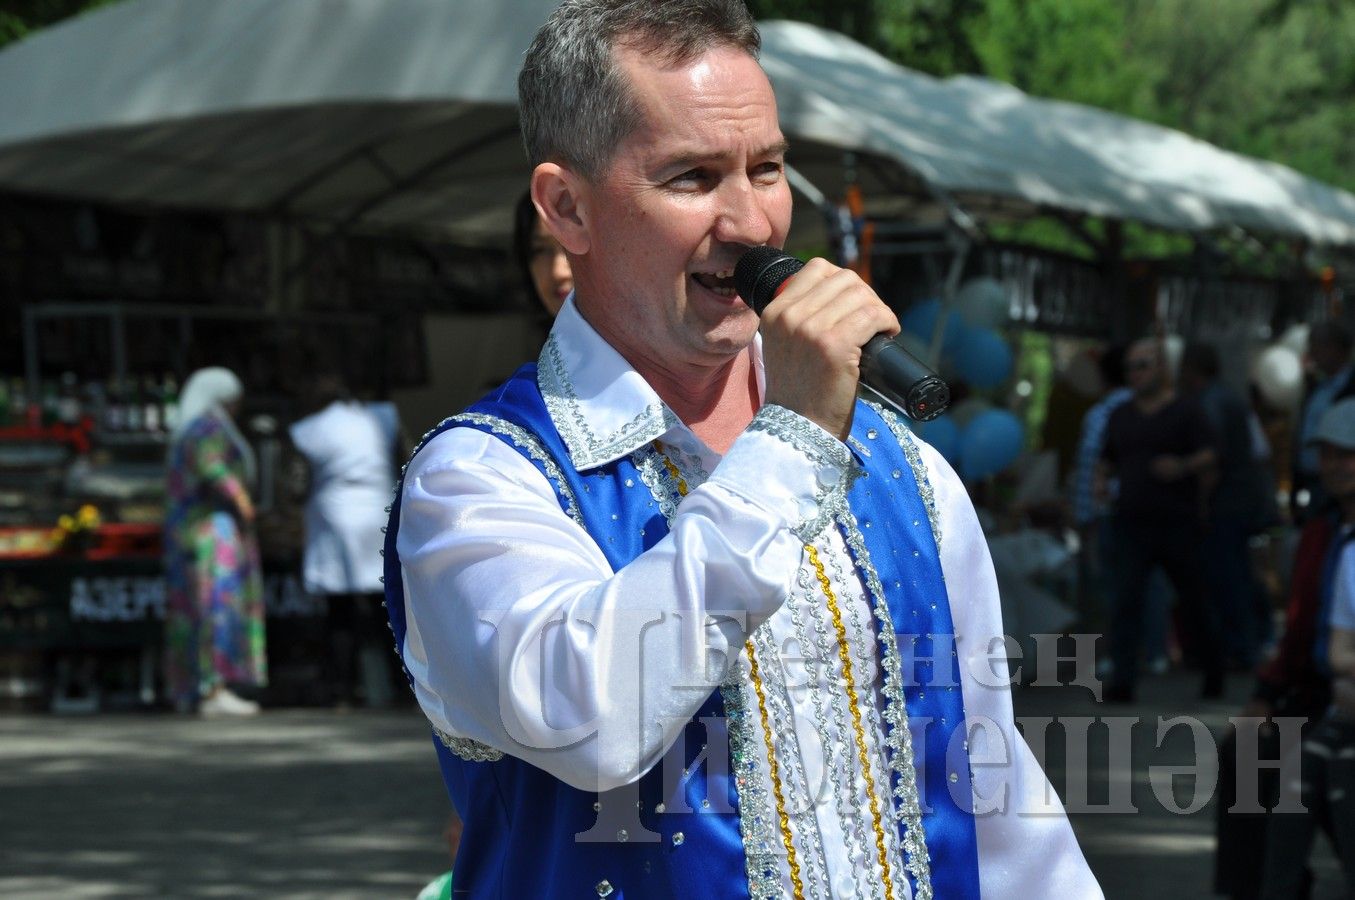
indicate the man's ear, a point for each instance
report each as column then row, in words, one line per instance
column 560, row 198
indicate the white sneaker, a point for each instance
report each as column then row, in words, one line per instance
column 225, row 703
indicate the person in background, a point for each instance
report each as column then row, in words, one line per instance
column 541, row 259
column 1159, row 445
column 350, row 450
column 1329, row 346
column 214, row 607
column 1327, row 768
column 1235, row 509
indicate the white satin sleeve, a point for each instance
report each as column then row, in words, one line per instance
column 1026, row 845
column 520, row 636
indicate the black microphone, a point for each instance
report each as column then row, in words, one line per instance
column 887, row 369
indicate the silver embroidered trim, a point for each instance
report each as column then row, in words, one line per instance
column 586, row 449
column 811, row 440
column 762, row 847
column 843, row 763
column 907, row 804
column 662, row 486
column 908, row 444
column 467, row 749
column 795, row 785
column 534, row 448
column 822, row 450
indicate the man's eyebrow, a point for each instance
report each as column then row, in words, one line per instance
column 695, row 158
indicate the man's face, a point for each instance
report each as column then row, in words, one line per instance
column 1143, row 368
column 699, row 181
column 1336, row 466
column 1328, row 357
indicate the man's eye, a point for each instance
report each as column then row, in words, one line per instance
column 689, row 178
column 767, row 173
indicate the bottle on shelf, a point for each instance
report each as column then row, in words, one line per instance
column 115, row 410
column 96, row 403
column 51, row 403
column 136, row 423
column 31, row 403
column 170, row 398
column 68, row 400
column 151, row 410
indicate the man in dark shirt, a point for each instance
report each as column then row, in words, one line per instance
column 1159, row 445
column 1237, row 504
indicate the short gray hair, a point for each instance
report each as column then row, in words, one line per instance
column 573, row 101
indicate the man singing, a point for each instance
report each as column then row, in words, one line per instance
column 690, row 620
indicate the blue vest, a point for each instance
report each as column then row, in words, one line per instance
column 521, row 823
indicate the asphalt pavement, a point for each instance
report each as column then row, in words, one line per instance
column 308, row 803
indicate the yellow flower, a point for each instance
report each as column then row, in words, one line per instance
column 88, row 516
column 65, row 523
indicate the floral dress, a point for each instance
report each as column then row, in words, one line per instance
column 214, row 609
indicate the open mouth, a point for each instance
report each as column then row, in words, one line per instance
column 719, row 283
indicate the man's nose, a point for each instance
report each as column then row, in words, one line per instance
column 744, row 217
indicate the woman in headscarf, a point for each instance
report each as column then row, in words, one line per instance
column 214, row 609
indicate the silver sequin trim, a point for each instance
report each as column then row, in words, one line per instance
column 908, row 444
column 822, row 450
column 533, row 447
column 586, row 449
column 762, row 847
column 467, row 749
column 799, row 796
column 907, row 804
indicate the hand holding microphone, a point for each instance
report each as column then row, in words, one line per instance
column 832, row 307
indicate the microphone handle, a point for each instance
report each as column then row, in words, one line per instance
column 901, row 380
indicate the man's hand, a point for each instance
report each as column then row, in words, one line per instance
column 812, row 336
column 246, row 510
column 1168, row 468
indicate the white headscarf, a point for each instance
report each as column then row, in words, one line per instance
column 206, row 393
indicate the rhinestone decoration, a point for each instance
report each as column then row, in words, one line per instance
column 604, row 888
column 908, row 444
column 467, row 749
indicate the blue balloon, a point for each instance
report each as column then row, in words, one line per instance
column 991, row 442
column 982, row 358
column 944, row 436
column 920, row 320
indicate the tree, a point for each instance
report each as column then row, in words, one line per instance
column 19, row 18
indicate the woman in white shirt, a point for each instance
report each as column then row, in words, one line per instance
column 350, row 449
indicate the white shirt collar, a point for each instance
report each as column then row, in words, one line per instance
column 601, row 406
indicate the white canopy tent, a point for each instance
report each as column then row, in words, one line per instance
column 995, row 150
column 401, row 113
column 386, row 112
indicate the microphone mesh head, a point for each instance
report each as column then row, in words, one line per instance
column 760, row 272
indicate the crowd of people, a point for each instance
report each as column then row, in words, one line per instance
column 1174, row 475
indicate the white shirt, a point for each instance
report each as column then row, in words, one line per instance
column 521, row 636
column 349, row 447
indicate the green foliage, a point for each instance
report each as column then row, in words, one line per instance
column 1268, row 78
column 19, row 18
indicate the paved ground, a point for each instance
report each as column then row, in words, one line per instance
column 310, row 804
column 297, row 804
